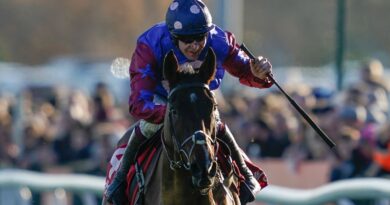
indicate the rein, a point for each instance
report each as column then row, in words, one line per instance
column 196, row 138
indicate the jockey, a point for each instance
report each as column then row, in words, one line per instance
column 188, row 31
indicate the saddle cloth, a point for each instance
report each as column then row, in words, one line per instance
column 140, row 173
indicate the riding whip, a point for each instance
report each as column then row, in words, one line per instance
column 321, row 133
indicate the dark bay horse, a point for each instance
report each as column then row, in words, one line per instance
column 187, row 171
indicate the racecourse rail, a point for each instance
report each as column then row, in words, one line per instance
column 363, row 188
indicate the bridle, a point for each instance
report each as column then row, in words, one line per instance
column 197, row 138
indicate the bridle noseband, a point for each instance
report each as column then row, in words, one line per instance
column 197, row 138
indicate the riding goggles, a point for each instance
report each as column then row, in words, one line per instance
column 190, row 39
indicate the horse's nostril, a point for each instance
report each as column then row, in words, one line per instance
column 213, row 169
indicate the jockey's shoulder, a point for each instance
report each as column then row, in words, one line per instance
column 155, row 33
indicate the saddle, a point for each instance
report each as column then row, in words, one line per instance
column 140, row 173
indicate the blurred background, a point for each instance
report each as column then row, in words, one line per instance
column 63, row 111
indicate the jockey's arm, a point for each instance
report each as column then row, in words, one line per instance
column 143, row 82
column 238, row 65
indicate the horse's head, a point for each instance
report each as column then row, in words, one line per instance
column 190, row 121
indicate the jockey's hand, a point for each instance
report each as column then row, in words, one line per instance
column 261, row 67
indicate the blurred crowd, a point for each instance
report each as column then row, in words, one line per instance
column 68, row 130
column 355, row 118
column 61, row 130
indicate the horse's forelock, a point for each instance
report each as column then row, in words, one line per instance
column 186, row 68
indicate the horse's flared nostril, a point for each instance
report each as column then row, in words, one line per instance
column 213, row 169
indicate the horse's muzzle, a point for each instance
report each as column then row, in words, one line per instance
column 204, row 181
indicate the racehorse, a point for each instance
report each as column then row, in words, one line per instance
column 188, row 171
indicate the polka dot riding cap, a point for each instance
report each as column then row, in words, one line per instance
column 188, row 17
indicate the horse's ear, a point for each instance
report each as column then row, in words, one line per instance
column 208, row 67
column 170, row 67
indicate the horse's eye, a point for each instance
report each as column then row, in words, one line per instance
column 215, row 107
